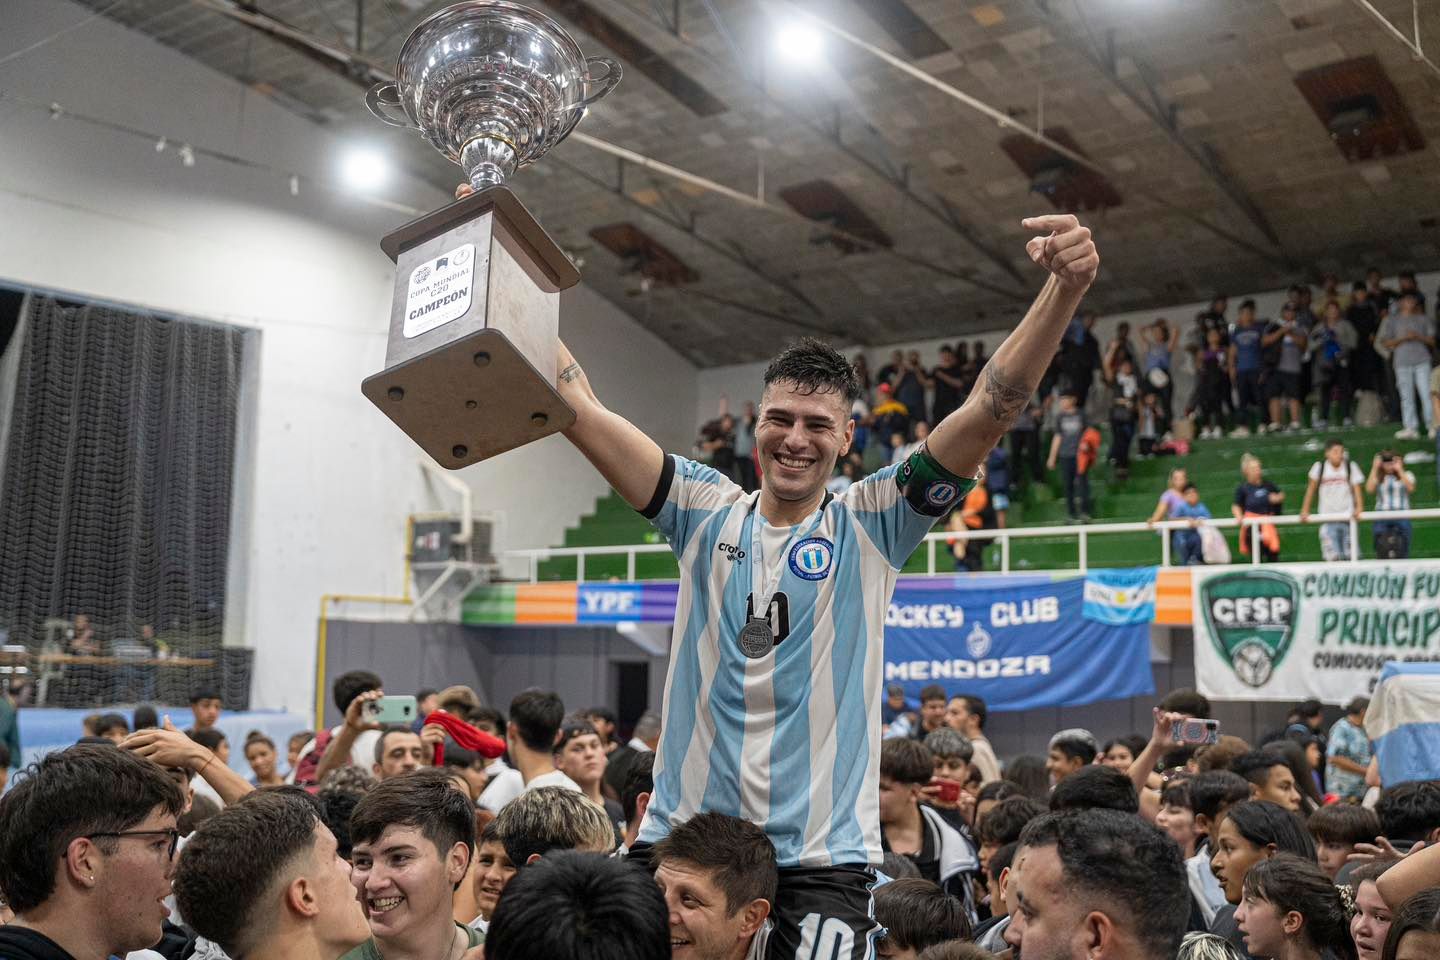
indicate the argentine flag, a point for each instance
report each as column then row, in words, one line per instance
column 1120, row 597
column 1403, row 722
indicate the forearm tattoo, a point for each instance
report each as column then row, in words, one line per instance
column 571, row 373
column 1007, row 398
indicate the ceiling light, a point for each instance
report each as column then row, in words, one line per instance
column 799, row 43
column 364, row 169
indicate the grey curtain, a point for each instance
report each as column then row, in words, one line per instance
column 117, row 472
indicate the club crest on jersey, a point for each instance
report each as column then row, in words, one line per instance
column 941, row 492
column 810, row 558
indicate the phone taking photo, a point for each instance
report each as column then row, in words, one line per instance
column 390, row 710
column 1195, row 731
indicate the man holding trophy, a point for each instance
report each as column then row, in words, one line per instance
column 773, row 693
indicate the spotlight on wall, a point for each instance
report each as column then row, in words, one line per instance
column 364, row 169
column 799, row 43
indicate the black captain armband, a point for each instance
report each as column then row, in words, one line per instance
column 930, row 488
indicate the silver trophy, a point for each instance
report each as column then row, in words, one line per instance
column 470, row 366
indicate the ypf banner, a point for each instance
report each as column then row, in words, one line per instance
column 1293, row 631
column 1023, row 643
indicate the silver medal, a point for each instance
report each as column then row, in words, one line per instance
column 756, row 638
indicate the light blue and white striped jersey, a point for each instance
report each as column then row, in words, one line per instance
column 789, row 741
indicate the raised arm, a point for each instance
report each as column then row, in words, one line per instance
column 1418, row 871
column 629, row 460
column 1144, row 765
column 170, row 748
column 961, row 441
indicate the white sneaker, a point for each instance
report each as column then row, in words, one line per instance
column 1406, row 435
column 1293, row 428
column 1240, row 432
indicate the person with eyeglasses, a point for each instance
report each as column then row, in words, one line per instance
column 87, row 848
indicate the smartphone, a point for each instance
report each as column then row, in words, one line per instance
column 391, row 710
column 1195, row 731
column 949, row 789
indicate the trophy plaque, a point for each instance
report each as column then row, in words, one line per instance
column 474, row 325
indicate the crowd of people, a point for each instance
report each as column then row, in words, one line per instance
column 1310, row 368
column 471, row 834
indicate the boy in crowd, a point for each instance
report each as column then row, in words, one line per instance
column 951, row 754
column 1070, row 427
column 1391, row 485
column 1337, row 829
column 1348, row 753
column 87, row 841
column 412, row 839
column 940, row 847
column 1070, row 750
column 264, row 880
column 1338, row 479
column 915, row 915
column 966, row 716
column 398, row 751
column 1188, row 544
column 991, row 933
column 1270, row 778
column 932, row 712
column 1245, row 370
column 205, row 705
column 552, row 818
column 352, row 741
column 1004, row 824
column 535, row 718
column 719, row 879
column 1211, row 795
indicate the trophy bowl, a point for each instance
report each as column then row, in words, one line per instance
column 493, row 85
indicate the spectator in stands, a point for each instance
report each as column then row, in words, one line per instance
column 112, row 726
column 1270, row 778
column 1125, row 392
column 1096, row 787
column 896, row 704
column 997, row 483
column 1070, row 750
column 1245, row 369
column 1025, row 446
column 718, row 877
column 862, row 372
column 1391, row 485
column 581, row 757
column 260, row 754
column 1176, row 816
column 398, row 752
column 910, row 384
column 745, row 449
column 1212, row 794
column 535, row 718
column 1031, row 774
column 1410, row 336
column 1171, row 498
column 1096, row 883
column 1257, row 497
column 915, row 914
column 81, row 640
column 1364, row 319
column 951, row 753
column 578, row 906
column 1004, row 823
column 1119, row 350
column 1212, row 388
column 1348, row 753
column 1161, row 342
column 1333, row 343
column 932, row 711
column 1070, row 427
column 974, row 513
column 552, row 818
column 353, row 741
column 205, row 704
column 1122, row 751
column 1409, row 288
column 412, row 838
column 951, row 385
column 1188, row 545
column 1337, row 828
column 891, row 417
column 1291, row 909
column 1286, row 341
column 293, row 746
column 1338, row 480
column 938, row 846
column 965, row 714
column 87, row 842
column 264, row 879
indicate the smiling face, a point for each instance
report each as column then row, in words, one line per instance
column 799, row 437
column 701, row 924
column 1262, row 926
column 261, row 757
column 1233, row 858
column 131, row 882
column 1059, row 765
column 404, row 883
column 1371, row 922
column 582, row 759
column 493, row 872
column 1119, row 757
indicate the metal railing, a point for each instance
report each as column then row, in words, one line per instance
column 1082, row 533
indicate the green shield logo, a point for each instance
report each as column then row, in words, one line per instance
column 1252, row 617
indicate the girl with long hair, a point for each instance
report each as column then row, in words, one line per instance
column 1290, row 910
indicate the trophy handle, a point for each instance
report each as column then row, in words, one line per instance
column 606, row 81
column 387, row 95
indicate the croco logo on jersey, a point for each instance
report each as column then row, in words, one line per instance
column 810, row 558
column 1252, row 619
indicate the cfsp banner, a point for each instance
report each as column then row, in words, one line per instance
column 1322, row 630
column 1022, row 643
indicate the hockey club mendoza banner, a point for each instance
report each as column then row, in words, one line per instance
column 1022, row 643
column 1294, row 631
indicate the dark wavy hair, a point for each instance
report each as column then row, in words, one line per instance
column 1263, row 823
column 1289, row 883
column 815, row 367
column 1419, row 914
